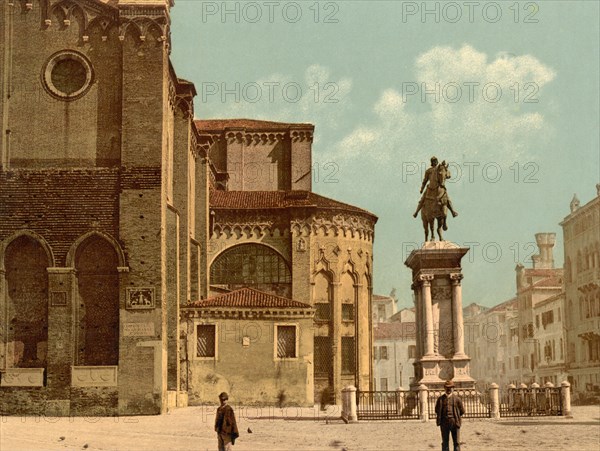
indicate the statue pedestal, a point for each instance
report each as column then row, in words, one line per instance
column 437, row 279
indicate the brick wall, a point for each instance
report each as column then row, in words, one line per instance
column 59, row 205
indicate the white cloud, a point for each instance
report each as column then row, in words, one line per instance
column 492, row 118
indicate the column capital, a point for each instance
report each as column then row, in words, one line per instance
column 456, row 278
column 425, row 279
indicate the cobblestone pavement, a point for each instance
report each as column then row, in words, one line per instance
column 191, row 429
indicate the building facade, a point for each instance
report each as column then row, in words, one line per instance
column 581, row 230
column 255, row 346
column 96, row 223
column 523, row 340
column 117, row 208
column 270, row 232
column 394, row 352
column 534, row 288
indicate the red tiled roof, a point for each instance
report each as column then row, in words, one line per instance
column 212, row 125
column 248, row 298
column 261, row 200
column 393, row 331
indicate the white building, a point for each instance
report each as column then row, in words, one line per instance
column 581, row 229
column 394, row 353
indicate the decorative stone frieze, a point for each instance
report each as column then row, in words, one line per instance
column 94, row 376
column 22, row 377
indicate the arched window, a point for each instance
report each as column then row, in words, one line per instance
column 96, row 262
column 322, row 299
column 26, row 264
column 252, row 265
column 348, row 297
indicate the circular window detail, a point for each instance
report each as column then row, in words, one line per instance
column 67, row 75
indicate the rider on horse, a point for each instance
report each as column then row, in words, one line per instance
column 433, row 182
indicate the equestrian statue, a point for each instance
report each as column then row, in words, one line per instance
column 435, row 201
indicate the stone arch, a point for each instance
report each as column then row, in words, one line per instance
column 40, row 239
column 97, row 262
column 70, row 260
column 25, row 260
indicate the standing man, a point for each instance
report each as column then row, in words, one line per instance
column 225, row 425
column 448, row 410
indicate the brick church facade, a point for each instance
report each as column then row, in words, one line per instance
column 120, row 214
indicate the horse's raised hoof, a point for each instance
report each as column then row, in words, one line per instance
column 414, row 215
column 454, row 214
column 445, row 227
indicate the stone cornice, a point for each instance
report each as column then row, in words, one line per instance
column 236, row 313
column 254, row 138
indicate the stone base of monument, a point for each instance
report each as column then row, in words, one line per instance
column 437, row 275
column 436, row 370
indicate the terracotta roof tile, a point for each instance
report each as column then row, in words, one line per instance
column 395, row 331
column 215, row 125
column 249, row 298
column 261, row 200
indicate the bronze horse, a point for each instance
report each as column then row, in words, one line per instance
column 435, row 203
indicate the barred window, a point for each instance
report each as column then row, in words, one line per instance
column 205, row 346
column 323, row 357
column 384, row 352
column 249, row 264
column 286, row 342
column 323, row 311
column 348, row 355
column 348, row 312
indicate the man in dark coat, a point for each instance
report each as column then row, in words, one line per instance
column 225, row 425
column 448, row 410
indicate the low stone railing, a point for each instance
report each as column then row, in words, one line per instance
column 522, row 401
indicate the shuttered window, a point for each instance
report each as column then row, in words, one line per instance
column 286, row 342
column 205, row 346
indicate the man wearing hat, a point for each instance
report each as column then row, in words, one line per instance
column 448, row 410
column 225, row 424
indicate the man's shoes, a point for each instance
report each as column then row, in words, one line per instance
column 454, row 214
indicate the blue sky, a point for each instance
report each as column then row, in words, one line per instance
column 508, row 92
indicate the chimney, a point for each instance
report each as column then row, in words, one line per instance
column 545, row 259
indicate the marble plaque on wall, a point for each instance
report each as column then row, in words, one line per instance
column 138, row 329
column 140, row 298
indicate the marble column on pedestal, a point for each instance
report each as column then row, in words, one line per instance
column 427, row 313
column 457, row 316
